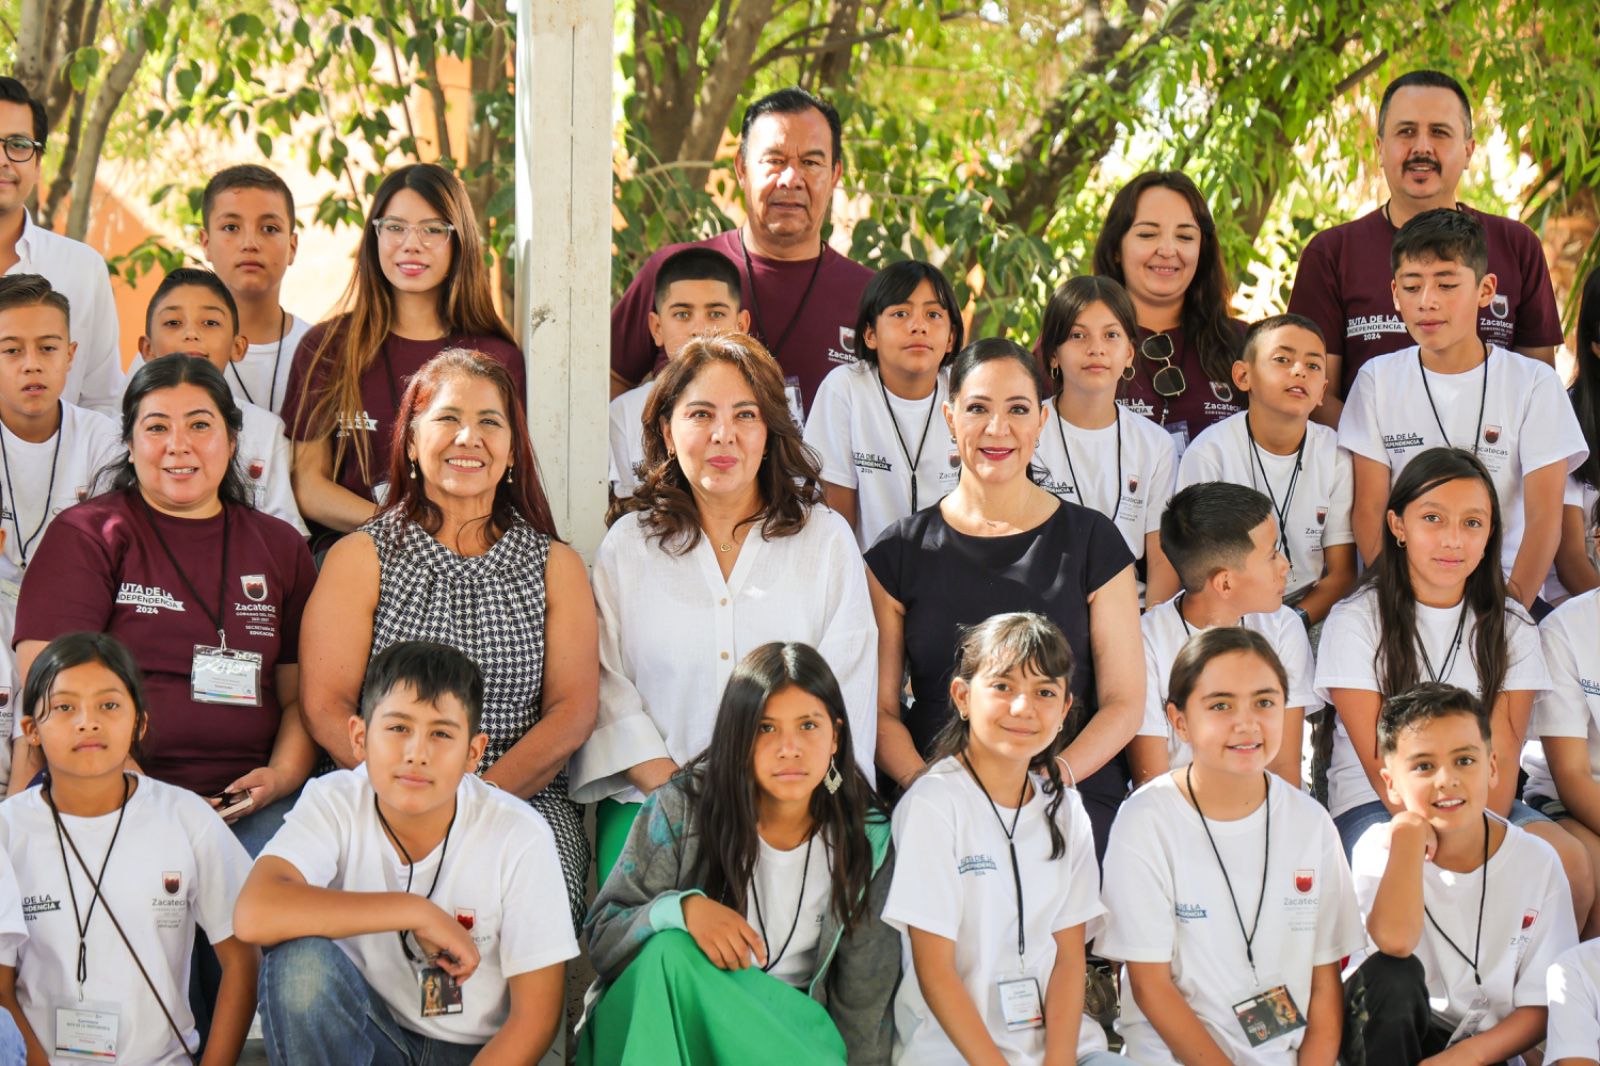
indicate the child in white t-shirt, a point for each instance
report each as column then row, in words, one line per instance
column 1224, row 544
column 1274, row 447
column 406, row 902
column 875, row 423
column 1453, row 389
column 697, row 293
column 1092, row 452
column 995, row 888
column 1464, row 911
column 1577, row 566
column 1573, row 987
column 1226, row 890
column 116, row 870
column 742, row 921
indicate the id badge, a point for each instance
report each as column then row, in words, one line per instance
column 225, row 675
column 1180, row 434
column 1268, row 1014
column 87, row 1032
column 441, row 993
column 1471, row 1021
column 797, row 406
column 1021, row 1005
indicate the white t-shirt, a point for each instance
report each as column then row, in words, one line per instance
column 1527, row 422
column 778, row 878
column 1165, row 633
column 265, row 458
column 1570, row 707
column 10, row 683
column 252, row 377
column 1148, row 461
column 672, row 629
column 953, row 879
column 850, row 429
column 1318, row 514
column 1581, row 496
column 174, row 864
column 1527, row 923
column 501, row 879
column 1167, row 901
column 86, row 441
column 1573, row 987
column 1348, row 658
column 625, row 416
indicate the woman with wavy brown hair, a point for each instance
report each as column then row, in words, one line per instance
column 465, row 552
column 726, row 546
column 420, row 286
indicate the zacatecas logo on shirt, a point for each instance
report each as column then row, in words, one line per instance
column 148, row 599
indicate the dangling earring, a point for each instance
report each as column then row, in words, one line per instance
column 834, row 778
column 508, row 475
column 413, row 470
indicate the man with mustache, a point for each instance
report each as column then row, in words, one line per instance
column 801, row 294
column 1425, row 141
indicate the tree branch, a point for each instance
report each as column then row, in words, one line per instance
column 430, row 80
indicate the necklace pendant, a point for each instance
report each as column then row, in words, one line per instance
column 725, row 547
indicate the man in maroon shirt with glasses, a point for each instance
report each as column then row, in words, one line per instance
column 1425, row 141
column 802, row 295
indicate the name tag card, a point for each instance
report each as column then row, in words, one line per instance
column 1021, row 1005
column 226, row 676
column 1268, row 1014
column 87, row 1032
column 441, row 993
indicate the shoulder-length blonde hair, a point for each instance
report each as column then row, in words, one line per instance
column 788, row 479
column 353, row 338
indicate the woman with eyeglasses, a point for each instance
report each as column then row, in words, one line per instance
column 1160, row 244
column 420, row 286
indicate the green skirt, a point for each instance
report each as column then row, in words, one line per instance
column 672, row 1007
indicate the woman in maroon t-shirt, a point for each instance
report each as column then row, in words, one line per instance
column 206, row 591
column 1160, row 243
column 420, row 286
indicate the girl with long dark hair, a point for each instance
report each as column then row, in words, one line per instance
column 997, row 877
column 766, row 857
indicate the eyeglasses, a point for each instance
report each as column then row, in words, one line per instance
column 1168, row 381
column 20, row 149
column 396, row 230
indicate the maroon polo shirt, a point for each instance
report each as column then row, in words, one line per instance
column 774, row 292
column 1343, row 285
column 1204, row 401
column 101, row 568
column 382, row 385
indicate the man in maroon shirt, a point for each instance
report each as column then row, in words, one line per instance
column 1343, row 285
column 802, row 295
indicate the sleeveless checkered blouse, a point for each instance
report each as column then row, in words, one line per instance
column 492, row 608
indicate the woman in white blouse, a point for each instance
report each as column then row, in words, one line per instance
column 726, row 545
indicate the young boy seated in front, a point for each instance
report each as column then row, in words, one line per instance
column 1454, row 389
column 697, row 293
column 1222, row 541
column 1274, row 447
column 414, row 913
column 1464, row 911
column 192, row 313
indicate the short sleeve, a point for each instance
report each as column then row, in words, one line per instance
column 621, row 473
column 532, row 885
column 887, row 557
column 1294, row 649
column 1368, row 861
column 1106, row 553
column 1359, row 433
column 1316, row 292
column 70, row 585
column 1554, row 932
column 1348, row 653
column 1138, row 893
column 1080, row 903
column 1340, row 931
column 13, row 930
column 222, row 865
column 1574, row 1026
column 1550, row 431
column 298, row 399
column 926, row 891
column 1163, row 482
column 312, row 835
column 1155, row 685
column 1526, row 669
column 828, row 429
column 1339, row 529
column 1199, row 463
column 1561, row 710
column 1538, row 319
column 302, row 576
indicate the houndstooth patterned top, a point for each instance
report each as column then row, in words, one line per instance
column 492, row 607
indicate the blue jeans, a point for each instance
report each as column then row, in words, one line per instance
column 13, row 1051
column 317, row 1010
column 1358, row 819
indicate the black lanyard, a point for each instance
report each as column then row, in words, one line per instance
column 799, row 905
column 776, row 347
column 933, row 403
column 272, row 389
column 1450, row 653
column 1011, row 843
column 1187, row 632
column 63, row 841
column 1116, row 491
column 1266, row 855
column 1288, row 493
column 1483, row 897
column 11, row 486
column 222, row 578
column 1483, row 398
column 411, row 864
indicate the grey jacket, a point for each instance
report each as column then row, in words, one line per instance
column 856, row 975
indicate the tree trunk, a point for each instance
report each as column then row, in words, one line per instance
column 106, row 101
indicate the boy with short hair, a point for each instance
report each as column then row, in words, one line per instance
column 1223, row 542
column 1455, row 390
column 410, row 905
column 697, row 293
column 192, row 313
column 1464, row 911
column 1274, row 447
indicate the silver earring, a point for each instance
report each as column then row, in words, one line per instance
column 413, row 470
column 834, row 778
column 508, row 475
